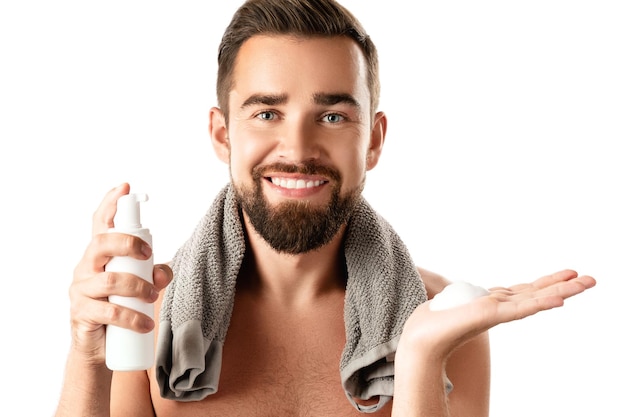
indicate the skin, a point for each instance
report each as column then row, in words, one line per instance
column 286, row 304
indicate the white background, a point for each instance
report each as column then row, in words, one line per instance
column 504, row 161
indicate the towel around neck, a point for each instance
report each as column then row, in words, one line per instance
column 383, row 288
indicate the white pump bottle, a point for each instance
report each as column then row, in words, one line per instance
column 127, row 350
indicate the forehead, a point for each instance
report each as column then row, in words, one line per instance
column 296, row 66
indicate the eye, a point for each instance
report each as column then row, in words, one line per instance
column 266, row 115
column 333, row 118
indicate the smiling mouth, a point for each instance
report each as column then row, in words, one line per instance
column 295, row 184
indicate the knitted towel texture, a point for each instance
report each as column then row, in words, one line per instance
column 383, row 288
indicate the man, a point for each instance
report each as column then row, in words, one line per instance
column 298, row 126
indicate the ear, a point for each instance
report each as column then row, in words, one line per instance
column 377, row 140
column 219, row 134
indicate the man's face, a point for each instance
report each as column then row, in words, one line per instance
column 299, row 137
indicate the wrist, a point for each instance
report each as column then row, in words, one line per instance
column 89, row 358
column 419, row 384
column 88, row 345
column 422, row 346
column 416, row 358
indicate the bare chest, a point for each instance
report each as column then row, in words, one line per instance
column 276, row 364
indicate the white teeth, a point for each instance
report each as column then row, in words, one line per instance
column 295, row 184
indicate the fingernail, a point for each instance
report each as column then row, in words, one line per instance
column 147, row 324
column 146, row 250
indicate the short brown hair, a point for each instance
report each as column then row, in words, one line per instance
column 305, row 18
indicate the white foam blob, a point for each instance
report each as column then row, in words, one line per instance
column 456, row 294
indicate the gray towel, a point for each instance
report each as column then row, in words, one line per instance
column 383, row 289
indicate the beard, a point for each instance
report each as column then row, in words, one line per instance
column 295, row 227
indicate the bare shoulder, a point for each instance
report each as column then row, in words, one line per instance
column 434, row 282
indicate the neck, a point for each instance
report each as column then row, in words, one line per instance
column 293, row 279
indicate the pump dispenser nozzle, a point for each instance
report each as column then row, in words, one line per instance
column 128, row 213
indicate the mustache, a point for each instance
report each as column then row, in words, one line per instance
column 305, row 168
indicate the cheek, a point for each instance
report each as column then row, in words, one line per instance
column 351, row 162
column 246, row 151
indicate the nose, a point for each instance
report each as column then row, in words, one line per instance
column 299, row 141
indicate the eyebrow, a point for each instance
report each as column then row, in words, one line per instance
column 324, row 99
column 265, row 99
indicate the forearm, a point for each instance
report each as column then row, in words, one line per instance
column 86, row 389
column 419, row 387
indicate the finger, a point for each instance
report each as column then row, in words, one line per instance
column 103, row 216
column 563, row 284
column 588, row 281
column 519, row 309
column 567, row 289
column 98, row 312
column 548, row 280
column 542, row 282
column 105, row 284
column 162, row 276
column 526, row 303
column 104, row 246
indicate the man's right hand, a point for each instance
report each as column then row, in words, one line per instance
column 90, row 309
